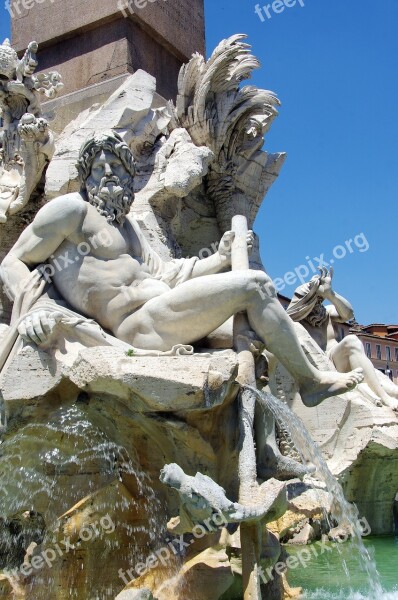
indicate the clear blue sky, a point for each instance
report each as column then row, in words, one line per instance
column 333, row 64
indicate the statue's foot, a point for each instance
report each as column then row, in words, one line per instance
column 330, row 384
column 284, row 468
column 16, row 206
column 390, row 402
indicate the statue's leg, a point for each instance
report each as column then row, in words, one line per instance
column 350, row 354
column 197, row 307
column 389, row 386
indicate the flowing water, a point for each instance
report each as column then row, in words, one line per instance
column 48, row 467
column 322, row 578
column 344, row 513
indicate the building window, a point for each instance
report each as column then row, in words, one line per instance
column 368, row 349
column 388, row 354
column 396, row 354
column 378, row 351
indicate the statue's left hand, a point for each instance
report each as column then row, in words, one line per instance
column 38, row 326
column 225, row 247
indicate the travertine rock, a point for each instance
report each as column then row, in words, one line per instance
column 304, row 537
column 305, row 505
column 151, row 383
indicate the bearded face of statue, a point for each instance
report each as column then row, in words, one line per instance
column 110, row 187
column 318, row 316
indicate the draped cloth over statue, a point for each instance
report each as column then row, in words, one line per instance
column 173, row 272
column 304, row 300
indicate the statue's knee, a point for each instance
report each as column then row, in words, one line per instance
column 353, row 344
column 260, row 282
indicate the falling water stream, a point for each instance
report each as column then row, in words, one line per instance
column 344, row 512
column 51, row 466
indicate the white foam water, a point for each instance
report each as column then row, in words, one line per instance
column 323, row 594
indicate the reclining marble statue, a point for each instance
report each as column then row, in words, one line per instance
column 103, row 269
column 307, row 307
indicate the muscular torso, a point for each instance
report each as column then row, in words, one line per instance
column 100, row 273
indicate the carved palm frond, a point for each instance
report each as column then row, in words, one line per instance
column 230, row 120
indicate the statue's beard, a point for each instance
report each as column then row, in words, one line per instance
column 112, row 197
column 318, row 316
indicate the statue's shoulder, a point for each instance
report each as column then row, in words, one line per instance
column 74, row 199
column 68, row 205
column 64, row 213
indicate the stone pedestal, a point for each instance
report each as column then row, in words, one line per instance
column 96, row 40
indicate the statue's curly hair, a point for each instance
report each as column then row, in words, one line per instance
column 110, row 141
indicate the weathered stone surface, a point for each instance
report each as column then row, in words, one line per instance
column 31, row 374
column 304, row 537
column 166, row 384
column 6, row 588
column 158, row 384
column 3, row 330
column 75, row 438
column 125, row 108
column 305, row 506
column 96, row 530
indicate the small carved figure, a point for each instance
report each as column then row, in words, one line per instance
column 201, row 498
column 26, row 143
column 307, row 307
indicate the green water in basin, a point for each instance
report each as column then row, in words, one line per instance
column 325, row 578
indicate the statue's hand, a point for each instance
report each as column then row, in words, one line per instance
column 325, row 289
column 225, row 247
column 38, row 326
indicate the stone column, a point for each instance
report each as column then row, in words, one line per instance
column 92, row 41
